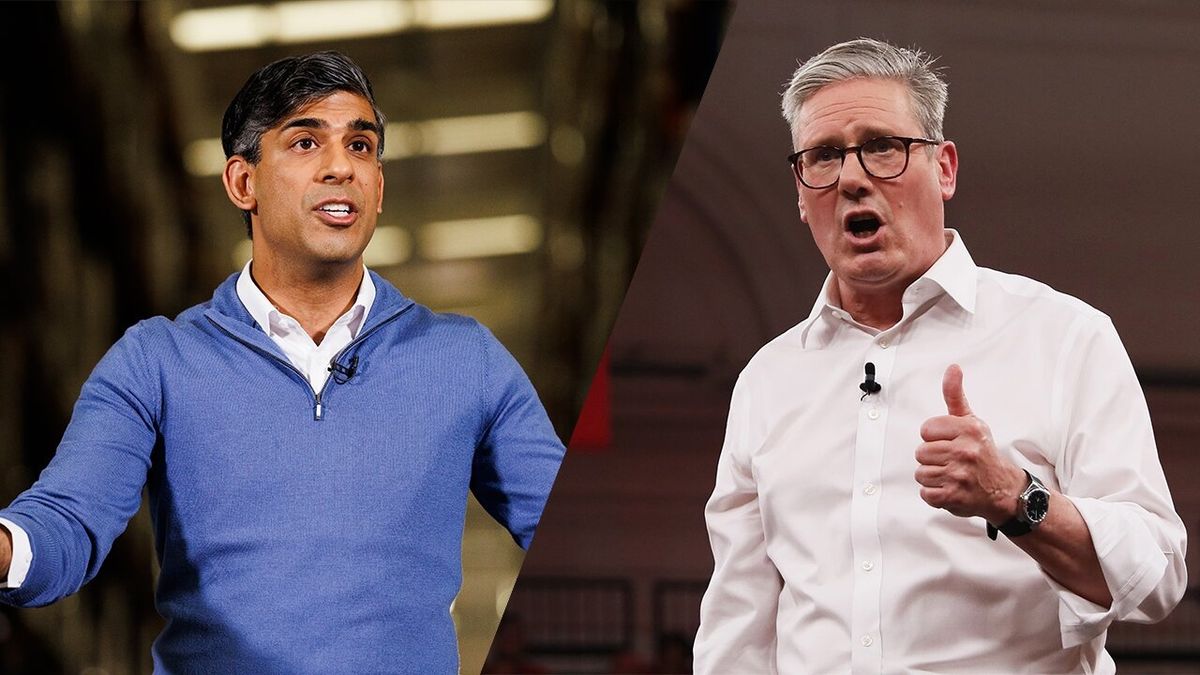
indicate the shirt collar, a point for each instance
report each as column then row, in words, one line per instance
column 953, row 274
column 269, row 319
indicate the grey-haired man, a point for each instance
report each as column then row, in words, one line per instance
column 860, row 495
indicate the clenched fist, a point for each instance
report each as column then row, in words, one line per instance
column 960, row 468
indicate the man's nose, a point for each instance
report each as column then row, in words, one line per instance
column 336, row 166
column 854, row 179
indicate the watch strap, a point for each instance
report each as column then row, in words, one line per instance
column 1012, row 528
column 1015, row 526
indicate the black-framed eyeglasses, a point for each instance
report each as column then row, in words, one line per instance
column 883, row 157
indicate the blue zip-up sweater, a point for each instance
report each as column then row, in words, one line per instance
column 296, row 532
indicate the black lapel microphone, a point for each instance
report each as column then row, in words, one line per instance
column 342, row 374
column 869, row 385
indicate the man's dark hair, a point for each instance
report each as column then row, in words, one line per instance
column 278, row 90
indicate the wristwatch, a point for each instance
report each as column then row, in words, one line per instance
column 1032, row 506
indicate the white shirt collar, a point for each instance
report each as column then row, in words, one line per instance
column 954, row 274
column 270, row 319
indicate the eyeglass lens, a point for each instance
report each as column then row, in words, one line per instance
column 880, row 157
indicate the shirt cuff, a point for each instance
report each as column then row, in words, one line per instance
column 1132, row 565
column 22, row 555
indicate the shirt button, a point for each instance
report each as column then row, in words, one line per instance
column 868, row 565
column 873, row 413
column 884, row 344
column 867, row 641
column 870, row 489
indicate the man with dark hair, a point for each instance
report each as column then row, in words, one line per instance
column 275, row 91
column 308, row 436
column 866, row 517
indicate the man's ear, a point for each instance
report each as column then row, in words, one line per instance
column 800, row 203
column 379, row 208
column 238, row 184
column 947, row 159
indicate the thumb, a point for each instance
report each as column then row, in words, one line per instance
column 952, row 391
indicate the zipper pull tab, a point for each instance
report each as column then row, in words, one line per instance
column 318, row 411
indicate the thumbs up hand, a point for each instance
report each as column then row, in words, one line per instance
column 952, row 392
column 960, row 469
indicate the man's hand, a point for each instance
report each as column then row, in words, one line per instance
column 960, row 469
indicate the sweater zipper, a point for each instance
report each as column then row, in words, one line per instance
column 318, row 407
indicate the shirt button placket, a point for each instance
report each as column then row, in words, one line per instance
column 865, row 506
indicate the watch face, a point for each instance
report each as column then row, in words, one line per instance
column 1037, row 505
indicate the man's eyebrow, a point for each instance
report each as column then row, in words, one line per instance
column 872, row 132
column 364, row 125
column 359, row 124
column 305, row 122
column 821, row 142
column 835, row 140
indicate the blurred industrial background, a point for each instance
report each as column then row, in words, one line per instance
column 1075, row 124
column 528, row 144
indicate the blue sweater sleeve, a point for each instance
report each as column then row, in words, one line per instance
column 518, row 456
column 85, row 497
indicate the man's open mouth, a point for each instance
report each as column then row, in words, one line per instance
column 336, row 209
column 863, row 226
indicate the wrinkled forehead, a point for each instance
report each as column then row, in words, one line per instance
column 854, row 110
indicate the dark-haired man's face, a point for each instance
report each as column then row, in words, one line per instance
column 318, row 187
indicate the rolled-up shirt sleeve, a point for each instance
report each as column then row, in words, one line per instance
column 737, row 616
column 1110, row 470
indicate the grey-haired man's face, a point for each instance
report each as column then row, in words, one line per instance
column 906, row 237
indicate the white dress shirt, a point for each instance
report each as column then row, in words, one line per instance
column 826, row 558
column 310, row 358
